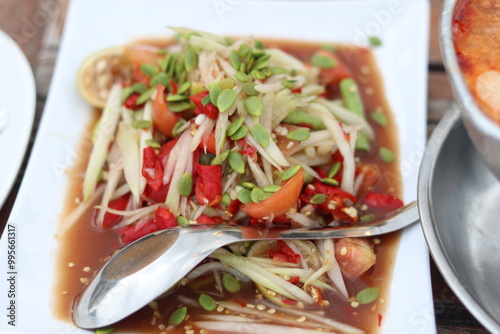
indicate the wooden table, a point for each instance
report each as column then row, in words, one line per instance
column 36, row 26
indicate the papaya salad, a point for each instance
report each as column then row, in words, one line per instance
column 213, row 130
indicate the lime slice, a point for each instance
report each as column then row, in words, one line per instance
column 99, row 72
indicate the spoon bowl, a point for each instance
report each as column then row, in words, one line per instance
column 148, row 267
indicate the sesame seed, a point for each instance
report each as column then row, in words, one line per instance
column 228, row 312
column 84, row 279
column 308, row 213
column 184, row 281
column 365, row 70
column 286, row 277
column 353, row 89
column 310, row 186
column 203, row 331
column 157, row 314
column 271, row 293
column 64, row 292
column 354, row 304
column 259, row 296
column 161, row 327
column 289, row 145
column 271, row 311
column 86, row 269
column 190, row 331
column 71, row 264
column 370, row 91
column 220, row 308
column 381, row 300
column 300, row 305
column 343, row 251
column 331, row 205
column 301, row 319
column 250, row 305
column 376, row 241
column 187, row 327
column 261, row 307
column 364, row 207
column 326, row 303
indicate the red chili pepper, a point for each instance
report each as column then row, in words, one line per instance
column 234, row 207
column 294, row 280
column 152, row 169
column 242, row 303
column 166, row 149
column 209, row 109
column 305, row 125
column 208, row 220
column 164, row 218
column 209, row 184
column 156, row 196
column 290, row 254
column 297, row 90
column 337, row 156
column 130, row 102
column 277, row 256
column 382, row 201
column 316, row 187
column 174, row 86
column 288, row 301
column 335, row 201
column 247, row 148
column 379, row 320
column 137, row 231
column 111, row 219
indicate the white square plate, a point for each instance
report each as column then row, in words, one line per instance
column 94, row 24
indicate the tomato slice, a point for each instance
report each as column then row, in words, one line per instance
column 163, row 119
column 280, row 202
column 143, row 54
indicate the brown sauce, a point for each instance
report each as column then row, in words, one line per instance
column 476, row 35
column 83, row 250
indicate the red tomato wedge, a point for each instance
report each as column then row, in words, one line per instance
column 280, row 202
column 163, row 119
column 143, row 54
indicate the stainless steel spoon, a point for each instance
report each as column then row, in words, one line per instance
column 148, row 267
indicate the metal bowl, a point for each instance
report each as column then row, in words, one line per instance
column 484, row 133
column 460, row 214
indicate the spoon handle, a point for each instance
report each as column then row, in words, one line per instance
column 395, row 221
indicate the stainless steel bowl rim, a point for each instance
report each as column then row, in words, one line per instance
column 428, row 222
